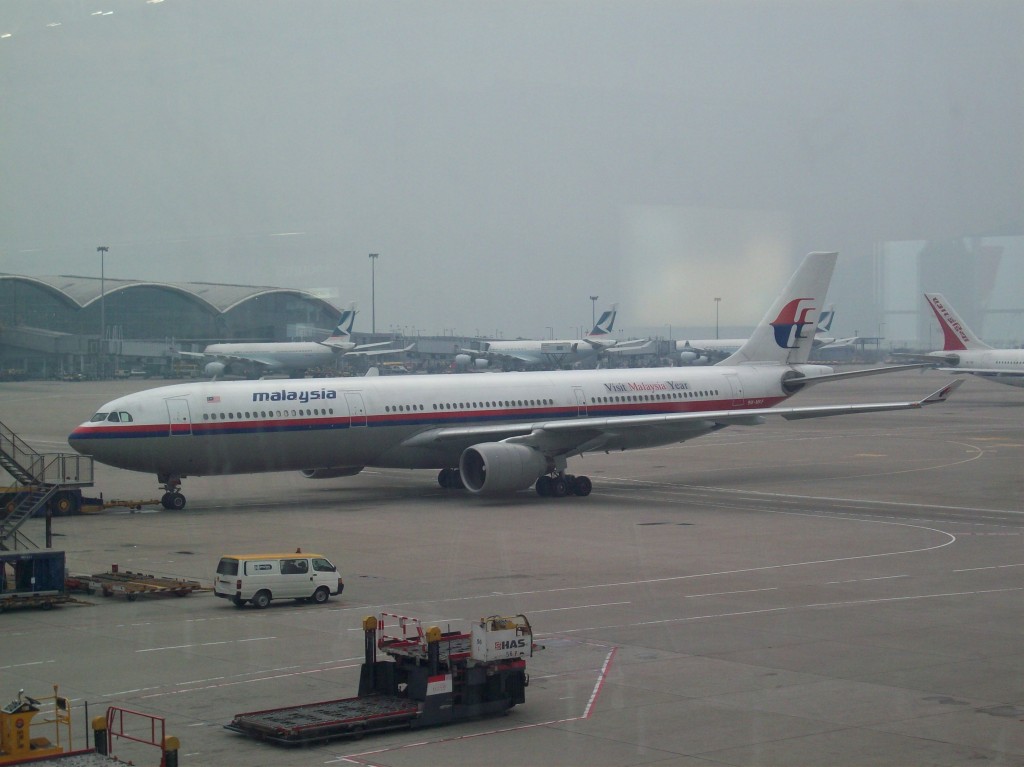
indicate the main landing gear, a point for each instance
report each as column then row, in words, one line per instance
column 561, row 485
column 557, row 485
column 450, row 479
column 172, row 499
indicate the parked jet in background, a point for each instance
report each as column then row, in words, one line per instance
column 491, row 434
column 291, row 357
column 964, row 352
column 563, row 353
column 710, row 351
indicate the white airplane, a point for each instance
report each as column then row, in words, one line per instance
column 561, row 353
column 491, row 434
column 293, row 357
column 964, row 352
column 709, row 351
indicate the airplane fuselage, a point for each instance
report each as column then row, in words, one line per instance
column 235, row 427
column 1005, row 366
column 546, row 352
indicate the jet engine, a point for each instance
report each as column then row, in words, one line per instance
column 331, row 472
column 693, row 358
column 499, row 467
column 466, row 362
column 214, row 369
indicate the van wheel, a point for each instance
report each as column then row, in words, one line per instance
column 321, row 595
column 261, row 599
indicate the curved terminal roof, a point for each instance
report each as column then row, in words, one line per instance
column 83, row 291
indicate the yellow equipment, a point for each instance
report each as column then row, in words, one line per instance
column 16, row 741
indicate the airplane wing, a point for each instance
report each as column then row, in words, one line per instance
column 835, row 343
column 254, row 359
column 368, row 351
column 573, row 437
column 634, row 345
column 348, row 347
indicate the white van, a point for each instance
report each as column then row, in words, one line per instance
column 258, row 578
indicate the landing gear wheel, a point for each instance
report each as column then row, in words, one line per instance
column 582, row 486
column 543, row 486
column 173, row 501
column 450, row 479
column 559, row 487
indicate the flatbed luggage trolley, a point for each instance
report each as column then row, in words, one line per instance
column 432, row 678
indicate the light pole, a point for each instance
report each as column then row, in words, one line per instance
column 373, row 292
column 593, row 308
column 717, row 302
column 102, row 250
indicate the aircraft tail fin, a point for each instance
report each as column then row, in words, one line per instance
column 786, row 333
column 343, row 333
column 956, row 336
column 605, row 323
column 825, row 319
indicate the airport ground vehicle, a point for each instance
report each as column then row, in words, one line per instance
column 259, row 578
column 32, row 579
column 433, row 678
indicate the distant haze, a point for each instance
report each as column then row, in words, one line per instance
column 507, row 160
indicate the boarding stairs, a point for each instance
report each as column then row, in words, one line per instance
column 38, row 477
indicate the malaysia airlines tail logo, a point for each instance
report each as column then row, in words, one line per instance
column 789, row 325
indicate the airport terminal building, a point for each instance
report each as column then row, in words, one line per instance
column 52, row 326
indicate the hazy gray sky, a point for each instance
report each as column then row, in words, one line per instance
column 507, row 159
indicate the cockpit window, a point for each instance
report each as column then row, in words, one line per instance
column 115, row 417
column 126, row 417
column 98, row 417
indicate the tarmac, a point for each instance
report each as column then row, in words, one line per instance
column 837, row 591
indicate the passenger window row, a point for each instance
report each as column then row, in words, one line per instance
column 471, row 405
column 657, row 397
column 229, row 416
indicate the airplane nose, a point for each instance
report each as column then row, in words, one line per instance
column 78, row 441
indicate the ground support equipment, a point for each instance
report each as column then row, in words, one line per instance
column 131, row 585
column 432, row 678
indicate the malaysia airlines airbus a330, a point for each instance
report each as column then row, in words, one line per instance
column 492, row 434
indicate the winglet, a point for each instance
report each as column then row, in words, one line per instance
column 943, row 394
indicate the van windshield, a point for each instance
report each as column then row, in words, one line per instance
column 227, row 566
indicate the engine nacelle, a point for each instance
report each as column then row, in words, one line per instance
column 499, row 467
column 214, row 369
column 331, row 472
column 693, row 358
column 466, row 362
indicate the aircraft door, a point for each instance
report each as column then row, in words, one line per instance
column 178, row 417
column 737, row 389
column 356, row 408
column 581, row 401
